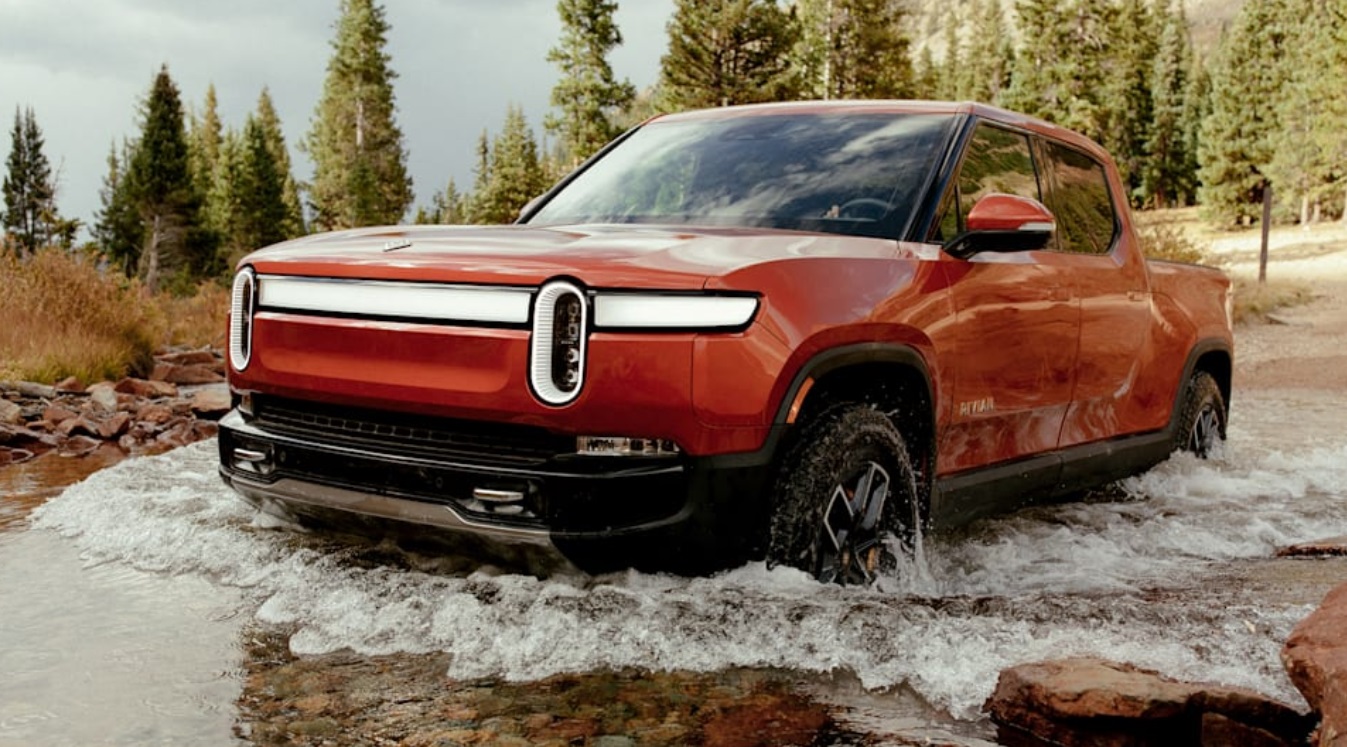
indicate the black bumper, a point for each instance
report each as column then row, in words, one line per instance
column 681, row 514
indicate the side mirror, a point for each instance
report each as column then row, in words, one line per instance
column 1003, row 223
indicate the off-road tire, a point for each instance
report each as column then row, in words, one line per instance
column 1202, row 416
column 833, row 455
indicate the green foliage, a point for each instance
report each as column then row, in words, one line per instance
column 447, row 207
column 509, row 172
column 587, row 94
column 854, row 49
column 117, row 229
column 1164, row 241
column 30, row 218
column 726, row 52
column 159, row 179
column 360, row 173
column 203, row 144
column 293, row 223
column 1247, row 81
column 249, row 191
column 1126, row 106
column 1169, row 174
column 984, row 69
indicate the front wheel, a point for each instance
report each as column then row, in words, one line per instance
column 1202, row 417
column 846, row 491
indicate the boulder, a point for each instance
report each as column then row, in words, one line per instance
column 79, row 446
column 1315, row 656
column 10, row 413
column 1100, row 703
column 55, row 414
column 77, row 425
column 155, row 413
column 69, row 385
column 212, row 402
column 146, row 389
column 114, row 426
column 103, row 396
column 35, row 390
column 15, row 436
column 186, row 375
column 1317, row 548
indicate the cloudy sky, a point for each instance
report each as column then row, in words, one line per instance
column 85, row 65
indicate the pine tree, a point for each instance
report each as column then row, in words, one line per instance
column 30, row 218
column 1126, row 106
column 360, row 175
column 270, row 123
column 926, row 76
column 1168, row 177
column 725, row 52
column 514, row 175
column 160, row 179
column 1301, row 167
column 1246, row 83
column 947, row 87
column 587, row 93
column 203, row 141
column 869, row 51
column 447, row 207
column 1327, row 131
column 117, row 230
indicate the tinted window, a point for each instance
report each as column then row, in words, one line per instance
column 855, row 173
column 1080, row 201
column 996, row 160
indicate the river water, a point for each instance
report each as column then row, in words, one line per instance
column 122, row 600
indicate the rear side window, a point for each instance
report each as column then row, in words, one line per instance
column 1086, row 222
column 996, row 160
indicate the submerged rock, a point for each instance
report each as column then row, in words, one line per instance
column 1315, row 657
column 1317, row 548
column 1086, row 701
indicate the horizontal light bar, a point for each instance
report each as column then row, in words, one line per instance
column 622, row 446
column 394, row 299
column 668, row 311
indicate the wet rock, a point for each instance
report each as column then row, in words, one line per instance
column 10, row 413
column 1315, row 657
column 114, row 426
column 154, row 413
column 103, row 396
column 69, row 385
column 212, row 402
column 186, row 375
column 1100, row 703
column 17, row 436
column 78, row 425
column 79, row 446
column 770, row 719
column 1317, row 548
column 1222, row 731
column 10, row 456
column 146, row 389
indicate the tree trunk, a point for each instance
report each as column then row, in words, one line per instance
column 152, row 257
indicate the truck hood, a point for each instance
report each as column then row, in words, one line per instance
column 617, row 256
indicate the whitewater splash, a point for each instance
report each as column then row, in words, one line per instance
column 1128, row 579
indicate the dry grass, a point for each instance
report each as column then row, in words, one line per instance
column 61, row 316
column 1255, row 303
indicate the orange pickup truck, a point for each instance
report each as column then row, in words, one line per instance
column 799, row 332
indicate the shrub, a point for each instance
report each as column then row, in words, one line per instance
column 1164, row 241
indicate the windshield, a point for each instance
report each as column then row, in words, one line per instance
column 839, row 172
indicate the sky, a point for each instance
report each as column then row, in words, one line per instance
column 84, row 66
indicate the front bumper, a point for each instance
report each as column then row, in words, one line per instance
column 670, row 513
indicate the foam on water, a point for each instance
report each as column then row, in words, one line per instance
column 1121, row 579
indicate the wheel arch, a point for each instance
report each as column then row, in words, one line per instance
column 1211, row 356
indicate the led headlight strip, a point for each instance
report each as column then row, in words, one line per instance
column 395, row 300
column 557, row 346
column 241, row 306
column 672, row 311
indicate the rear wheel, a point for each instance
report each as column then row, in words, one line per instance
column 1202, row 418
column 846, row 491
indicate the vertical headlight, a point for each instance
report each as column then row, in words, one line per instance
column 557, row 350
column 241, row 308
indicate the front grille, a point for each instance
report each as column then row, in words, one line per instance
column 405, row 433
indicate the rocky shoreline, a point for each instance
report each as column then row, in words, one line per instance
column 175, row 406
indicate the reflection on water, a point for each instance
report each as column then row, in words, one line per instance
column 109, row 655
column 24, row 487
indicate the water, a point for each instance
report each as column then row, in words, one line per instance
column 167, row 555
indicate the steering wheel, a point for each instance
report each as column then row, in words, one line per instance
column 864, row 208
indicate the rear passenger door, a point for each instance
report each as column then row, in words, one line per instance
column 1110, row 281
column 1016, row 316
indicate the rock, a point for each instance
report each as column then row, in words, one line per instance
column 55, row 414
column 1317, row 548
column 103, row 396
column 81, row 424
column 154, row 413
column 187, row 375
column 161, row 371
column 189, row 358
column 10, row 413
column 114, row 426
column 16, row 436
column 769, row 719
column 212, row 402
column 1220, row 731
column 79, row 446
column 146, row 389
column 10, row 456
column 1100, row 703
column 69, row 385
column 1315, row 657
column 35, row 390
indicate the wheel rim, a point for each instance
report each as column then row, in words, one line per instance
column 850, row 544
column 1206, row 430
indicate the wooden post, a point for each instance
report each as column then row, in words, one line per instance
column 1267, row 224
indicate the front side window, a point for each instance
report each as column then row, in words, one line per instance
column 1086, row 222
column 838, row 172
column 996, row 160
